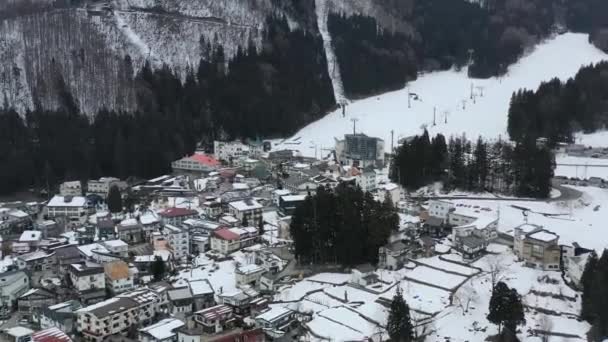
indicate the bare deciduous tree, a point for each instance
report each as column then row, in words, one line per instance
column 465, row 296
column 545, row 325
column 496, row 268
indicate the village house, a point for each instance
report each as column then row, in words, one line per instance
column 130, row 231
column 74, row 208
column 249, row 274
column 61, row 316
column 162, row 331
column 538, row 248
column 198, row 163
column 473, row 238
column 181, row 301
column 393, row 256
column 364, row 275
column 97, row 252
column 37, row 261
column 289, row 203
column 243, row 301
column 67, row 255
column 150, row 222
column 117, row 247
column 175, row 216
column 201, row 290
column 118, row 277
column 29, row 238
column 276, row 195
column 229, row 221
column 277, row 321
column 248, row 210
column 12, row 285
column 31, row 303
column 212, row 209
column 16, row 334
column 215, row 319
column 366, row 179
column 89, row 280
column 106, row 228
column 392, row 191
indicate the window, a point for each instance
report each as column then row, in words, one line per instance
column 537, row 250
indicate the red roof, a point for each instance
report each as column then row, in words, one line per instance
column 50, row 335
column 177, row 212
column 205, row 159
column 226, row 234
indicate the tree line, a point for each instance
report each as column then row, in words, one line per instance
column 594, row 308
column 557, row 110
column 268, row 92
column 522, row 169
column 345, row 226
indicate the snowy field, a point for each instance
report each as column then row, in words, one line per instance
column 449, row 266
column 445, row 91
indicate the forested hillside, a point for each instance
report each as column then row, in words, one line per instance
column 557, row 110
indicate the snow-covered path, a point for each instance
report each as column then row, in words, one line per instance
column 136, row 40
column 448, row 94
column 332, row 62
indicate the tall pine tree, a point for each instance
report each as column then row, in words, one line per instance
column 399, row 324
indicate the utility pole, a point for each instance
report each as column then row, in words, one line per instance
column 464, row 104
column 434, row 116
column 445, row 115
column 409, row 98
column 392, row 139
column 472, row 85
column 480, row 89
column 354, row 120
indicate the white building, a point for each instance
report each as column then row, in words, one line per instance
column 277, row 194
column 248, row 208
column 366, row 180
column 72, row 207
column 179, row 241
column 61, row 316
column 117, row 314
column 230, row 150
column 440, row 209
column 249, row 274
column 87, row 276
column 575, row 266
column 12, row 285
column 118, row 277
column 70, row 188
column 393, row 191
column 198, row 162
column 102, row 185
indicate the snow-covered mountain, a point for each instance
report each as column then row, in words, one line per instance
column 46, row 45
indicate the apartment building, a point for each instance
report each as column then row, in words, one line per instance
column 247, row 209
column 72, row 207
column 538, row 248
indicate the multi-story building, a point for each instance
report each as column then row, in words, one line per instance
column 89, row 280
column 118, row 247
column 393, row 256
column 178, row 239
column 196, row 163
column 12, row 285
column 289, row 203
column 102, row 185
column 72, row 207
column 118, row 277
column 117, row 314
column 70, row 188
column 538, row 249
column 440, row 209
column 31, row 303
column 366, row 179
column 248, row 210
column 61, row 316
column 177, row 216
column 130, row 231
column 228, row 240
column 277, row 321
column 473, row 238
column 360, row 150
column 230, row 150
column 37, row 261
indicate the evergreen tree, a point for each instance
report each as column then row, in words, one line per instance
column 245, row 221
column 588, row 308
column 399, row 324
column 114, row 200
column 261, row 230
column 158, row 268
column 505, row 309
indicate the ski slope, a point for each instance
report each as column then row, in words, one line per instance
column 448, row 93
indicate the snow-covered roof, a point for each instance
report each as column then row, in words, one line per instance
column 273, row 314
column 87, row 250
column 390, row 186
column 244, row 205
column 543, row 235
column 19, row 331
column 163, row 329
column 148, row 218
column 249, row 269
column 30, row 235
column 129, row 222
column 200, row 287
column 293, row 198
column 240, row 186
column 67, row 201
column 115, row 243
column 18, row 213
